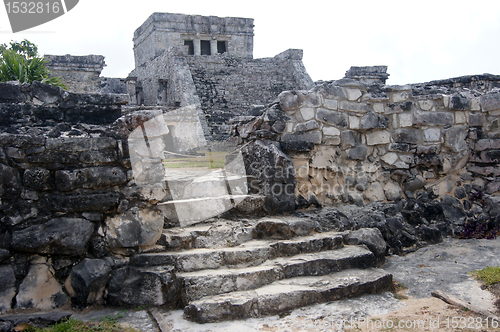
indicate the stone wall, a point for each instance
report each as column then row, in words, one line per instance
column 229, row 87
column 221, row 87
column 69, row 201
column 79, row 73
column 163, row 31
column 356, row 143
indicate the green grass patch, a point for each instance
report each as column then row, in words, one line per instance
column 211, row 160
column 73, row 325
column 489, row 275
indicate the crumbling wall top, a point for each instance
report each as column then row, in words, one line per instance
column 92, row 62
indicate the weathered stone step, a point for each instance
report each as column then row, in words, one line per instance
column 288, row 294
column 250, row 253
column 211, row 235
column 224, row 280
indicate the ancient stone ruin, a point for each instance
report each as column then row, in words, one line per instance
column 319, row 180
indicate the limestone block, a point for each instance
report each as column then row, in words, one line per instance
column 453, row 210
column 87, row 282
column 136, row 227
column 475, row 104
column 486, row 144
column 290, row 100
column 372, row 238
column 492, row 187
column 40, row 290
column 352, row 94
column 379, row 107
column 354, row 122
column 490, row 102
column 37, row 179
column 102, row 201
column 331, row 104
column 10, row 182
column 458, row 102
column 460, row 117
column 92, row 177
column 378, row 137
column 408, row 159
column 127, row 287
column 307, row 113
column 415, row 184
column 432, row 135
column 245, row 130
column 75, row 144
column 331, row 131
column 313, row 100
column 400, row 96
column 433, row 118
column 407, row 135
column 390, row 158
column 61, row 236
column 359, row 152
column 7, row 287
column 401, row 164
column 399, row 147
column 303, row 141
column 405, row 119
column 332, row 117
column 426, row 105
column 372, row 120
column 446, row 101
column 309, row 125
column 349, row 138
column 455, row 138
column 331, row 140
column 355, row 107
column 374, row 192
column 476, row 120
column 392, row 191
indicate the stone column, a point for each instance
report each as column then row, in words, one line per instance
column 197, row 46
column 213, row 47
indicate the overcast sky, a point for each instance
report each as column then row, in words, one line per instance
column 418, row 40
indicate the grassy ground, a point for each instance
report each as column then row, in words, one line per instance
column 211, row 160
column 73, row 325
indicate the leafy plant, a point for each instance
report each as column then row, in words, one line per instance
column 489, row 275
column 21, row 63
column 475, row 229
column 74, row 325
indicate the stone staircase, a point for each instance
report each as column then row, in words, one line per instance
column 227, row 270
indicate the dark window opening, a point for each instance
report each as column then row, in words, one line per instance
column 205, row 47
column 221, row 47
column 139, row 95
column 162, row 92
column 190, row 45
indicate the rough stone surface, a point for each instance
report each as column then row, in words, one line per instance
column 40, row 290
column 272, row 175
column 134, row 228
column 372, row 238
column 7, row 287
column 88, row 280
column 67, row 236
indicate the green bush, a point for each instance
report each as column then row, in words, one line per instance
column 21, row 63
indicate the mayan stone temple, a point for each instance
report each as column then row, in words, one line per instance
column 230, row 187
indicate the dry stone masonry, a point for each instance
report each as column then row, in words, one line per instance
column 358, row 141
